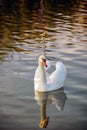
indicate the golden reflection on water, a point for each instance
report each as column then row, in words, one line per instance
column 22, row 27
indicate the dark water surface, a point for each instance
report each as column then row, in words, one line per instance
column 26, row 30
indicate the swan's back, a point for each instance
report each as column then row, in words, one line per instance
column 57, row 78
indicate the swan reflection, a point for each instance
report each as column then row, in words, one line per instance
column 57, row 97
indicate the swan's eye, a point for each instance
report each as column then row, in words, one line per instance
column 44, row 60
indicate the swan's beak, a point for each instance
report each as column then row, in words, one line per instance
column 44, row 62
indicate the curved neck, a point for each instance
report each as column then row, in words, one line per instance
column 42, row 74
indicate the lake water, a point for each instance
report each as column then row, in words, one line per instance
column 27, row 29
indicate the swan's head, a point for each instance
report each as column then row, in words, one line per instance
column 42, row 60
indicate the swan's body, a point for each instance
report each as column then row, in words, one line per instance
column 43, row 82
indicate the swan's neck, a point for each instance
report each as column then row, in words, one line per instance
column 42, row 74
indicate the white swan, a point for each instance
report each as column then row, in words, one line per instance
column 43, row 82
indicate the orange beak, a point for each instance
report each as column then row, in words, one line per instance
column 44, row 62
